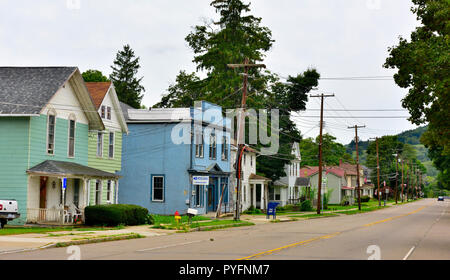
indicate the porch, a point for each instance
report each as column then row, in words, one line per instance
column 59, row 191
column 259, row 191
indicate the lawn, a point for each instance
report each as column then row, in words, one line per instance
column 160, row 219
column 310, row 216
column 201, row 222
column 11, row 230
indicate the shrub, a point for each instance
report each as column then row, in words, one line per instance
column 280, row 209
column 116, row 214
column 365, row 198
column 306, row 206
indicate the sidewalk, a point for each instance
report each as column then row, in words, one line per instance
column 34, row 241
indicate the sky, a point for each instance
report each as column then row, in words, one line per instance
column 340, row 38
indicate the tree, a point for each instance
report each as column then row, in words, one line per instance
column 332, row 151
column 233, row 37
column 125, row 69
column 92, row 75
column 423, row 65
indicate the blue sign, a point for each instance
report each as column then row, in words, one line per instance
column 200, row 180
column 272, row 209
column 64, row 183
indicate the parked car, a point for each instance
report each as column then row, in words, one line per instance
column 440, row 198
column 9, row 210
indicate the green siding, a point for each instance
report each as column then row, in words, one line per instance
column 14, row 161
column 104, row 163
column 23, row 144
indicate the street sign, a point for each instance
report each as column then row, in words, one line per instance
column 200, row 180
column 387, row 190
column 64, row 182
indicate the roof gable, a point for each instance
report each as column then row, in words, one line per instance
column 98, row 91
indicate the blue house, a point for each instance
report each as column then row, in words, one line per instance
column 165, row 152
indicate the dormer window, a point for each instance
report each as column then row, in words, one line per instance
column 103, row 111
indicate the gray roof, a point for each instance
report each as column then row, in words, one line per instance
column 64, row 168
column 125, row 108
column 302, row 181
column 31, row 87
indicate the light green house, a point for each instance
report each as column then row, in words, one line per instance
column 105, row 146
column 46, row 114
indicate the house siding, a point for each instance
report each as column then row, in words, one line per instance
column 14, row 137
column 148, row 151
column 104, row 163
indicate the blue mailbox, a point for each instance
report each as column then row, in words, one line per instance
column 272, row 209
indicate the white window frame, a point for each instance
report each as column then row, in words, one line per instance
column 199, row 147
column 224, row 148
column 103, row 111
column 51, row 113
column 71, row 118
column 108, row 112
column 99, row 191
column 153, row 187
column 109, row 191
column 113, row 144
column 101, row 144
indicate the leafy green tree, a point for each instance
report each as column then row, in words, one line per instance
column 92, row 75
column 332, row 151
column 128, row 86
column 423, row 65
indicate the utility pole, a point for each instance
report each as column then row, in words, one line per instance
column 409, row 181
column 357, row 163
column 319, row 185
column 403, row 185
column 378, row 173
column 241, row 124
column 396, row 178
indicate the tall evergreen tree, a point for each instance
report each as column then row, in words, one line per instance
column 233, row 37
column 128, row 86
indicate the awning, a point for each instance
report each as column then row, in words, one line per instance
column 69, row 169
column 258, row 178
column 346, row 188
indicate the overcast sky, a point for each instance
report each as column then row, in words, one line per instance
column 340, row 38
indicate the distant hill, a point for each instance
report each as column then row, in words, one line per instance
column 411, row 137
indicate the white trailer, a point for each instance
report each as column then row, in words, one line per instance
column 9, row 210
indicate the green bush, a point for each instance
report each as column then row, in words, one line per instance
column 365, row 198
column 116, row 214
column 306, row 206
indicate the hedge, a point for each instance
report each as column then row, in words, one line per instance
column 115, row 214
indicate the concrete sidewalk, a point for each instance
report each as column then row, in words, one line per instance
column 34, row 241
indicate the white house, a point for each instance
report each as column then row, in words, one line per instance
column 254, row 188
column 285, row 190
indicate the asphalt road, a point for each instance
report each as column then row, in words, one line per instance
column 418, row 230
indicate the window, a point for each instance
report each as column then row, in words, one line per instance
column 51, row 134
column 99, row 144
column 212, row 146
column 103, row 112
column 251, row 160
column 98, row 192
column 108, row 191
column 111, row 145
column 71, row 149
column 108, row 115
column 199, row 144
column 245, row 158
column 158, row 188
column 224, row 148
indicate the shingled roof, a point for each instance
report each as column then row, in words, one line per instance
column 26, row 90
column 64, row 168
column 98, row 91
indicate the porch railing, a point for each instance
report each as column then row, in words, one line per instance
column 39, row 215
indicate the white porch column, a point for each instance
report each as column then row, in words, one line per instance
column 262, row 196
column 254, row 195
column 116, row 198
column 85, row 189
column 88, row 192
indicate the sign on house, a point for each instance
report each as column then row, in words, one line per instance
column 200, row 180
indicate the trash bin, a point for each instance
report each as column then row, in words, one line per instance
column 272, row 209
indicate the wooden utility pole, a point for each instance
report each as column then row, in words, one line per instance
column 403, row 185
column 357, row 163
column 241, row 124
column 396, row 178
column 409, row 181
column 319, row 185
column 378, row 173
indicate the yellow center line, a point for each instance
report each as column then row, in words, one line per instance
column 265, row 253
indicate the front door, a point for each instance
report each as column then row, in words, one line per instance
column 42, row 197
column 210, row 198
column 258, row 196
